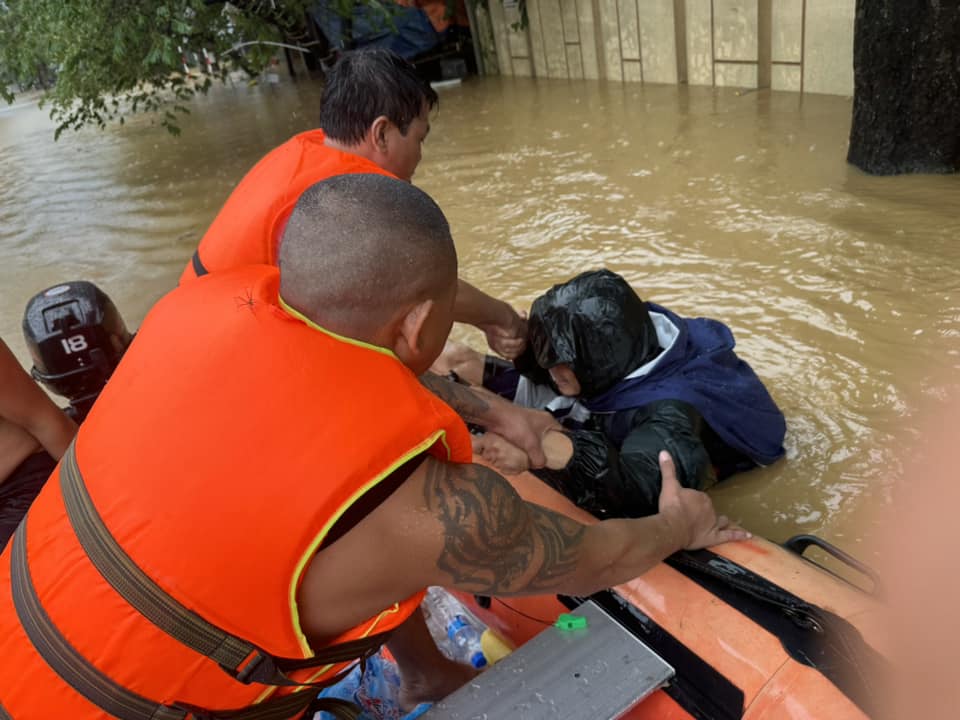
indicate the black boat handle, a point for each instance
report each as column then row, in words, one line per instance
column 798, row 544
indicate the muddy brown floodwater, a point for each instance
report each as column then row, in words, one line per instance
column 843, row 290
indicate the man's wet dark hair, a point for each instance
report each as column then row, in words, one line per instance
column 365, row 84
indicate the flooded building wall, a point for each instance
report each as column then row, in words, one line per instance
column 794, row 45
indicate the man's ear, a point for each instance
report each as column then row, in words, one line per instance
column 378, row 133
column 410, row 336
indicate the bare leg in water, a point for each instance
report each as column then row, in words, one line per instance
column 426, row 675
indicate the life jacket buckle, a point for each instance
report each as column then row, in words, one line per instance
column 259, row 668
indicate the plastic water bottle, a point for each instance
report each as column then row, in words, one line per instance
column 464, row 636
column 439, row 609
column 454, row 629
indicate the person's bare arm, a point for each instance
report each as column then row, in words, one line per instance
column 524, row 427
column 467, row 402
column 464, row 526
column 24, row 404
column 505, row 328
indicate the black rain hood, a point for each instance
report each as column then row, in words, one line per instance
column 598, row 325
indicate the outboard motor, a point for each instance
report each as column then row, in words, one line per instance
column 76, row 337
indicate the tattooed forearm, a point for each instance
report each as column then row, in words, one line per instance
column 466, row 402
column 495, row 541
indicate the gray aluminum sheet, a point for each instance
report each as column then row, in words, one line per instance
column 596, row 673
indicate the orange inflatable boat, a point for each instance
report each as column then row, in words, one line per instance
column 747, row 630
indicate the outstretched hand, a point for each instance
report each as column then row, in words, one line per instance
column 502, row 454
column 523, row 427
column 508, row 338
column 692, row 512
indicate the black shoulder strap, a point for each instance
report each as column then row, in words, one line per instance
column 198, row 267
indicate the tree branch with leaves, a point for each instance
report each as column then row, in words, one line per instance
column 112, row 58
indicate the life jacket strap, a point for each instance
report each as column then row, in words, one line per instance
column 198, row 267
column 120, row 702
column 239, row 658
column 64, row 659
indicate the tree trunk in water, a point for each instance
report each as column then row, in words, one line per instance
column 906, row 101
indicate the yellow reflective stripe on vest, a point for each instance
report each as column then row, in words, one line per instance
column 293, row 312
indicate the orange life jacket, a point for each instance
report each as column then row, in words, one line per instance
column 248, row 227
column 228, row 442
column 441, row 13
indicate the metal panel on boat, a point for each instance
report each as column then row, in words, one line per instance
column 596, row 673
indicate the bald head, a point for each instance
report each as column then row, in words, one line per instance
column 358, row 248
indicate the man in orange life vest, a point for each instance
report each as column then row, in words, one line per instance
column 264, row 489
column 374, row 117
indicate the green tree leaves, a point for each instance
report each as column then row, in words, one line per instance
column 99, row 60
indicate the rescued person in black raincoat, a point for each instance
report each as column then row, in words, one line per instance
column 627, row 379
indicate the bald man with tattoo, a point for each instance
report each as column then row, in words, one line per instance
column 293, row 485
column 462, row 526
